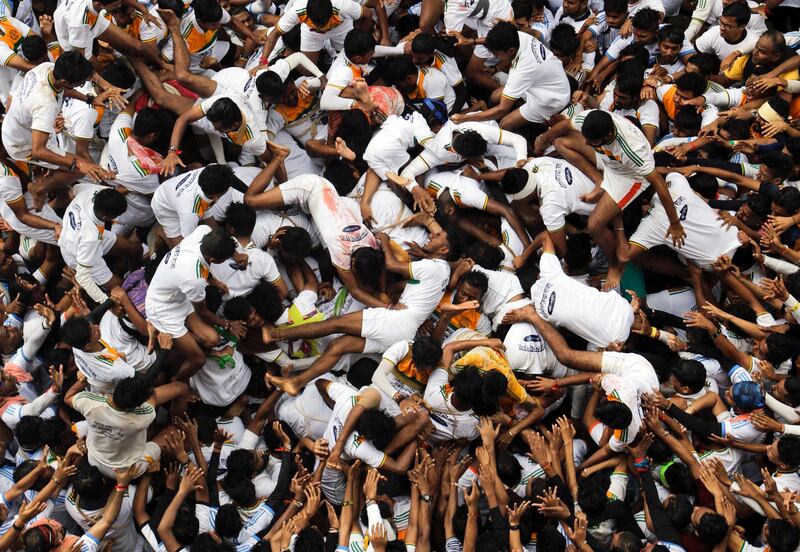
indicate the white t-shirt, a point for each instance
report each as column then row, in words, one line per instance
column 130, row 172
column 181, row 278
column 629, row 152
column 77, row 24
column 342, row 10
column 183, row 196
column 307, row 414
column 340, row 229
column 220, row 383
column 429, row 279
column 705, row 240
column 448, row 423
column 134, row 351
column 81, row 231
column 356, row 446
column 598, row 317
column 529, row 354
column 627, row 376
column 260, row 267
column 35, row 107
column 103, row 369
column 535, row 68
column 388, row 148
column 710, row 42
column 503, row 286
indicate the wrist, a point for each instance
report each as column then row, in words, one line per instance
column 120, row 487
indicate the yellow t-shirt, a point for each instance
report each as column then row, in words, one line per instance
column 486, row 359
column 736, row 71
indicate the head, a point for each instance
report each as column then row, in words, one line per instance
column 670, row 41
column 787, row 391
column 745, row 396
column 28, row 433
column 689, row 86
column 781, row 536
column 34, row 49
column 578, row 255
column 616, row 12
column 217, row 247
column 109, row 204
column 503, row 41
column 240, row 308
column 422, row 49
column 645, row 26
column 624, row 541
column 775, row 168
column 471, row 287
column 575, row 7
column 755, row 210
column 433, row 111
column 769, row 49
column 514, row 181
column 359, row 46
column 426, row 352
column 293, row 243
column 709, row 526
column 228, row 523
column 208, row 14
column 341, row 174
column 440, row 245
column 78, row 332
column 485, row 255
column 705, row 64
column 368, row 266
column 119, row 74
column 309, row 540
column 72, row 70
column 266, row 301
column 687, row 121
column 240, row 219
column 467, row 387
column 149, row 125
column 319, row 12
column 733, row 21
column 376, row 427
column 785, row 452
column 564, row 42
column 775, row 349
column 627, row 91
column 688, row 377
column 598, row 128
column 469, row 144
column 614, row 414
column 132, row 392
column 225, row 115
column 272, row 89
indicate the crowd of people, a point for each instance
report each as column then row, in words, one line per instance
column 400, row 275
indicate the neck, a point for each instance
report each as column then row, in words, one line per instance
column 94, row 347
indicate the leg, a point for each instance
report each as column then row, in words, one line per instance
column 429, row 14
column 475, row 74
column 513, row 120
column 338, row 347
column 205, row 334
column 200, row 84
column 603, row 213
column 348, row 324
column 573, row 148
column 193, row 355
column 177, row 104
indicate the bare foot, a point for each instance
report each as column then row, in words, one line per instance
column 613, row 278
column 287, row 385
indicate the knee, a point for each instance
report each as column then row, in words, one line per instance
column 595, row 225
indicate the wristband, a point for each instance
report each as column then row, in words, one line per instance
column 297, row 504
column 654, row 332
column 347, row 503
column 513, row 527
column 716, row 334
column 641, row 464
column 20, row 529
column 56, row 481
column 120, row 488
column 175, row 149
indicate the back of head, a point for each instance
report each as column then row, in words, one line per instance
column 792, row 386
column 433, row 111
column 319, row 11
column 688, row 120
column 132, row 392
column 266, row 301
column 485, row 255
column 706, row 64
column 119, row 74
column 627, row 542
column 692, row 374
column 502, row 37
column 630, row 83
column 109, row 204
column 549, row 539
column 563, row 40
column 237, row 308
column 782, row 536
column 377, row 427
column 692, row 82
column 476, row 279
column 779, row 348
column 270, row 85
column 712, row 528
column 33, row 48
column 295, row 243
column 508, row 469
column 368, row 266
column 148, row 121
column 579, row 251
column 423, row 44
column 468, row 385
column 215, row 179
column 614, row 414
column 207, row 11
column 636, row 52
column 358, row 42
column 469, row 143
column 789, row 450
column 241, row 218
column 217, row 245
column 514, row 180
column 72, row 68
column 647, row 19
column 339, row 173
column 228, row 523
column 224, row 111
column 597, row 125
column 28, row 433
column 89, row 483
column 426, row 352
column 76, row 332
column 309, row 540
column 401, row 68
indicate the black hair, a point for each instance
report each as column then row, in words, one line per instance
column 738, row 129
column 148, row 120
column 688, row 119
column 401, row 68
column 377, row 427
column 33, row 48
column 361, row 372
column 52, row 431
column 707, row 64
column 502, row 37
column 309, row 540
column 426, row 352
column 109, row 203
column 186, row 527
column 679, row 479
column 486, row 255
column 29, row 433
column 789, row 450
column 514, row 180
column 647, row 19
column 469, row 143
column 578, row 255
column 627, row 542
column 225, row 111
column 711, row 528
column 295, row 243
column 205, row 542
column 132, row 392
column 760, row 204
column 241, row 490
column 692, row 82
column 241, row 463
column 679, row 510
column 670, row 33
column 217, row 245
column 779, row 348
column 73, row 68
column 207, row 11
column 476, row 279
column 564, row 40
column 777, row 103
column 215, row 179
column 780, row 165
column 468, row 385
column 550, row 540
column 630, row 83
column 339, row 172
column 690, row 373
column 615, row 6
column 237, row 308
column 175, row 5
column 493, row 387
column 406, row 24
column 119, row 74
column 270, row 85
column 614, row 414
column 597, row 125
column 89, row 483
column 228, row 523
column 592, row 496
column 508, row 469
column 319, row 11
column 424, row 44
column 782, row 536
column 740, row 11
column 266, row 301
column 358, row 42
column 368, row 265
column 241, row 218
column 76, row 332
column 792, row 386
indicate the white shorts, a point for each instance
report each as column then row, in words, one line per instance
column 333, row 485
column 38, row 234
column 623, row 187
column 540, row 105
column 99, row 271
column 169, row 318
column 312, row 41
column 168, row 219
column 150, row 455
column 497, row 319
column 382, row 328
column 24, row 154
